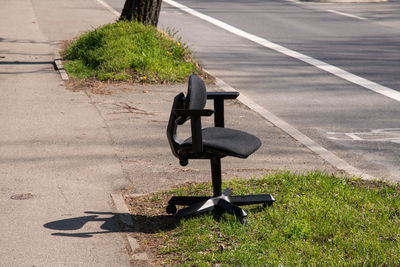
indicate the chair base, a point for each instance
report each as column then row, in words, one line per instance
column 222, row 203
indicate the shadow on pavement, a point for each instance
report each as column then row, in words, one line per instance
column 112, row 223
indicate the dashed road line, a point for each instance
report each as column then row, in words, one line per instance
column 353, row 136
column 346, row 14
column 377, row 135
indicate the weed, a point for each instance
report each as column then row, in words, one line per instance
column 129, row 51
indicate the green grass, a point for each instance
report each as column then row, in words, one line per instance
column 129, row 51
column 317, row 220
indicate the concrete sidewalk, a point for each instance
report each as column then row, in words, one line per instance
column 57, row 162
column 62, row 153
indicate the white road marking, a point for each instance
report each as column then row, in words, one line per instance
column 353, row 136
column 378, row 135
column 294, row 1
column 171, row 13
column 346, row 14
column 380, row 89
column 109, row 8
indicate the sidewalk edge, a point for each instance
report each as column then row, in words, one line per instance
column 60, row 67
column 125, row 217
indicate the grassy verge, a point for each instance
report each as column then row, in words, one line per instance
column 317, row 220
column 129, row 51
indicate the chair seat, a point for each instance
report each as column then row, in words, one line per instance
column 226, row 141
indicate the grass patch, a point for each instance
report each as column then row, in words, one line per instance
column 129, row 51
column 317, row 220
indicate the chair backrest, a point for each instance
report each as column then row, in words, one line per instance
column 196, row 98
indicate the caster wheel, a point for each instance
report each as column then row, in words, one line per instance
column 243, row 220
column 217, row 215
column 268, row 204
column 171, row 209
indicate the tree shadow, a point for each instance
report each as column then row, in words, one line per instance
column 27, row 63
column 112, row 223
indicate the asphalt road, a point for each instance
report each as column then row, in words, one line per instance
column 355, row 123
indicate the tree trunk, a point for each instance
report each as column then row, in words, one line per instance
column 144, row 11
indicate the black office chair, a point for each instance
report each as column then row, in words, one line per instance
column 211, row 143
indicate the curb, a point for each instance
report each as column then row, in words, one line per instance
column 125, row 217
column 122, row 209
column 60, row 67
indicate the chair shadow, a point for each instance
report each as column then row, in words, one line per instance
column 112, row 223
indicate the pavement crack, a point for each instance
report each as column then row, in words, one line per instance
column 132, row 109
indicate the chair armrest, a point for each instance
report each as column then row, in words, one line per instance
column 195, row 125
column 219, row 98
column 194, row 112
column 222, row 95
